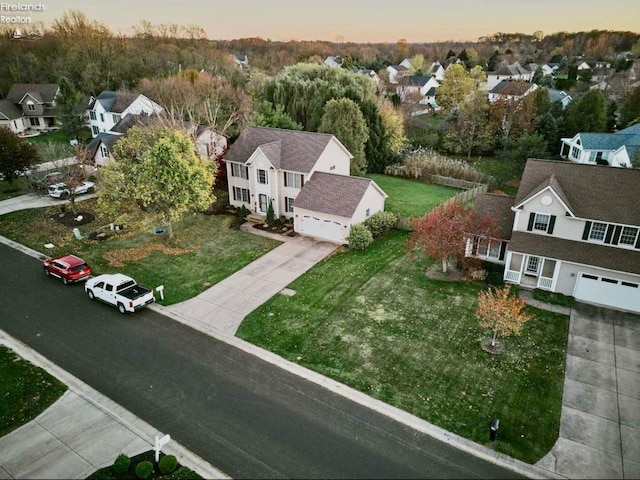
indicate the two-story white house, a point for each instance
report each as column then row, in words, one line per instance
column 514, row 71
column 110, row 107
column 416, row 88
column 396, row 72
column 615, row 149
column 304, row 176
column 575, row 233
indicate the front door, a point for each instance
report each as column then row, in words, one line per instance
column 263, row 203
column 533, row 266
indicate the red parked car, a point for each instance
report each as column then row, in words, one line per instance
column 68, row 268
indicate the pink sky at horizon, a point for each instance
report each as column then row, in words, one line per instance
column 355, row 20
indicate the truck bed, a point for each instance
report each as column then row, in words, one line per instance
column 134, row 292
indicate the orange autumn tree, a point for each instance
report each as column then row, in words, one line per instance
column 502, row 312
column 443, row 232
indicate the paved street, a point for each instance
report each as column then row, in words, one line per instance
column 243, row 415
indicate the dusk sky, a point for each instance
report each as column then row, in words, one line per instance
column 358, row 20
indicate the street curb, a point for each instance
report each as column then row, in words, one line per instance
column 110, row 408
column 500, row 459
column 468, row 446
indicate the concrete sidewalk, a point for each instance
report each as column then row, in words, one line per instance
column 80, row 433
column 224, row 306
column 35, row 200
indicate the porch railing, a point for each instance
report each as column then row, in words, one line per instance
column 512, row 276
column 545, row 283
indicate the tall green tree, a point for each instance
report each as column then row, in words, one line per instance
column 457, row 85
column 157, row 173
column 494, row 61
column 68, row 108
column 470, row 131
column 265, row 114
column 630, row 112
column 588, row 114
column 612, row 108
column 344, row 119
column 16, row 154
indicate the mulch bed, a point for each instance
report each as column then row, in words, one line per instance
column 279, row 230
column 70, row 220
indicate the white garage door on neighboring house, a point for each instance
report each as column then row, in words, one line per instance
column 608, row 290
column 322, row 228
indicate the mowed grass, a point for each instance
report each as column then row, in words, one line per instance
column 19, row 186
column 410, row 198
column 25, row 391
column 374, row 321
column 211, row 250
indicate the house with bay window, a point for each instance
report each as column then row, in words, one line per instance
column 305, row 176
column 108, row 108
column 497, row 207
column 576, row 231
column 615, row 149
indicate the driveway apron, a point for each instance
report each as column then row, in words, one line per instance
column 600, row 423
column 224, row 306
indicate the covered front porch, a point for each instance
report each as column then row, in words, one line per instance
column 531, row 271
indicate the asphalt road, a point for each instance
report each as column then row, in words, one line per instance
column 245, row 416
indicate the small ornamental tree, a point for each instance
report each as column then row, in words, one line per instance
column 443, row 232
column 501, row 312
column 271, row 218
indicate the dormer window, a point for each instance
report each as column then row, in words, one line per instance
column 598, row 231
column 31, row 107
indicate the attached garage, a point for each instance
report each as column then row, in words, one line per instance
column 608, row 291
column 329, row 204
column 328, row 228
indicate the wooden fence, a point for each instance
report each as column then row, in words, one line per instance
column 453, row 182
column 467, row 195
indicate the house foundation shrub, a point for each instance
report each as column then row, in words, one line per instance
column 167, row 464
column 381, row 223
column 121, row 463
column 184, row 473
column 554, row 298
column 360, row 237
column 144, row 469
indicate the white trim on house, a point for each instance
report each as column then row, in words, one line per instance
column 548, row 188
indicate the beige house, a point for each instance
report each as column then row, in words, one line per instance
column 576, row 231
column 304, row 176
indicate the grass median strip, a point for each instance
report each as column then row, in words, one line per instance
column 374, row 321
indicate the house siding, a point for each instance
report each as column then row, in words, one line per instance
column 260, row 162
column 565, row 227
column 372, row 200
column 333, row 156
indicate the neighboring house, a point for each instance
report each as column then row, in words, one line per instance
column 602, row 86
column 334, row 62
column 368, row 73
column 531, row 67
column 436, row 70
column 110, row 107
column 508, row 72
column 35, row 101
column 497, row 207
column 416, row 87
column 396, row 72
column 407, row 63
column 548, row 69
column 511, row 90
column 615, row 149
column 12, row 117
column 241, row 59
column 602, row 65
column 209, row 143
column 583, row 66
column 305, row 176
column 570, row 240
column 560, row 96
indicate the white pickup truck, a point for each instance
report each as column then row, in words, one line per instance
column 120, row 291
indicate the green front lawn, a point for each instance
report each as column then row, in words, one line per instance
column 374, row 321
column 206, row 249
column 18, row 187
column 25, row 391
column 410, row 198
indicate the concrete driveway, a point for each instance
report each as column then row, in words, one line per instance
column 224, row 306
column 34, row 200
column 600, row 423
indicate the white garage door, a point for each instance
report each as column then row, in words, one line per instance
column 322, row 228
column 609, row 291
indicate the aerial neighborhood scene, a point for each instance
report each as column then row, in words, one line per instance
column 304, row 240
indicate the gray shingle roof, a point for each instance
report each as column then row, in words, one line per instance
column 607, row 141
column 632, row 130
column 498, row 207
column 511, row 87
column 107, row 138
column 624, row 260
column 116, row 102
column 332, row 194
column 9, row 109
column 399, row 68
column 557, row 95
column 43, row 92
column 513, row 69
column 299, row 151
column 591, row 191
column 415, row 80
